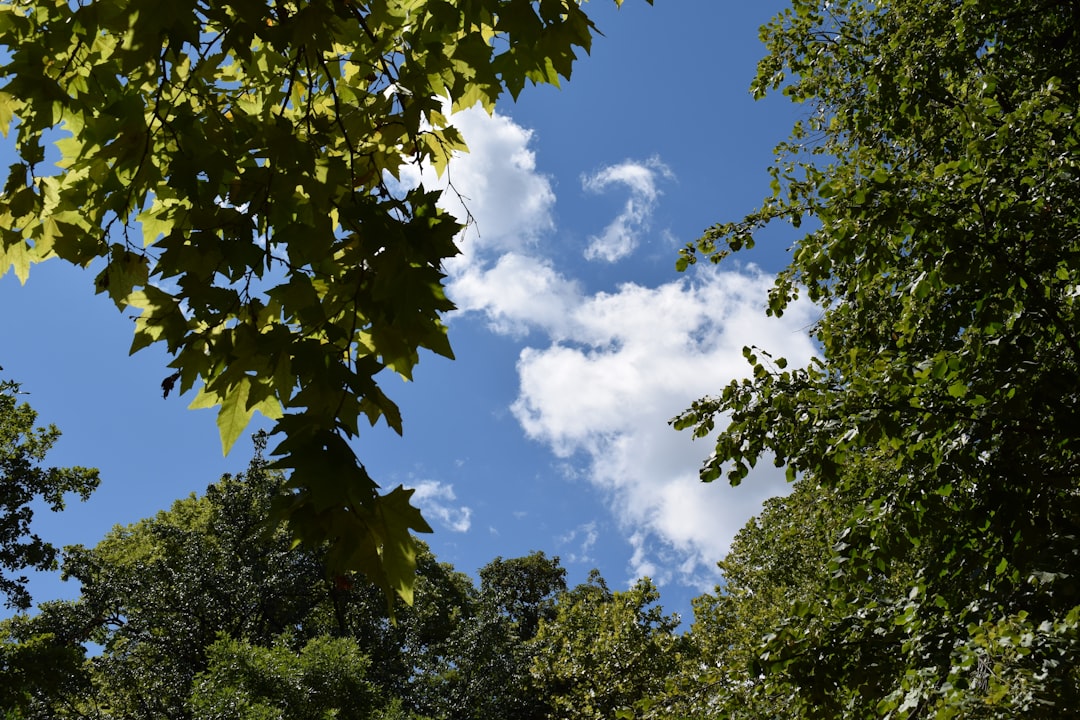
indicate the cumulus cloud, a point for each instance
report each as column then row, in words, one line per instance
column 517, row 292
column 620, row 237
column 601, row 373
column 495, row 187
column 628, row 361
column 436, row 500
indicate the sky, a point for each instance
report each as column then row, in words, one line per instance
column 576, row 340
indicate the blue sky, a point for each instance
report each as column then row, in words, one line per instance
column 576, row 340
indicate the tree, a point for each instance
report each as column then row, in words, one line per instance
column 324, row 679
column 937, row 169
column 408, row 654
column 228, row 166
column 156, row 595
column 486, row 673
column 779, row 579
column 42, row 665
column 22, row 481
column 778, row 561
column 207, row 601
column 605, row 651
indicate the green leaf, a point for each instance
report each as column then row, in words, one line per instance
column 16, row 256
column 958, row 390
column 398, row 518
column 8, row 106
column 233, row 181
column 234, row 414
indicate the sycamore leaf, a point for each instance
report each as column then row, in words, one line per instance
column 156, row 223
column 234, row 414
column 235, row 411
column 8, row 106
column 269, row 405
column 246, row 166
column 16, row 256
column 204, row 400
column 399, row 550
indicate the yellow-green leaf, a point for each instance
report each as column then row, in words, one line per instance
column 234, row 414
column 16, row 256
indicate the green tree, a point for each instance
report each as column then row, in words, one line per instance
column 324, row 679
column 205, row 610
column 486, row 673
column 782, row 576
column 409, row 653
column 777, row 562
column 23, row 481
column 156, row 595
column 228, row 165
column 42, row 661
column 938, row 170
column 210, row 581
column 604, row 652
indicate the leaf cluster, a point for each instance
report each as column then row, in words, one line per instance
column 604, row 652
column 231, row 171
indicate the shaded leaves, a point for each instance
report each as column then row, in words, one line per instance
column 231, row 168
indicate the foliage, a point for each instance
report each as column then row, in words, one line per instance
column 205, row 611
column 487, row 671
column 406, row 654
column 325, row 679
column 938, row 164
column 227, row 167
column 40, row 661
column 157, row 594
column 777, row 561
column 209, row 586
column 22, row 482
column 605, row 651
column 781, row 576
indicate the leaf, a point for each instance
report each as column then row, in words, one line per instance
column 958, row 390
column 8, row 105
column 398, row 549
column 249, row 152
column 16, row 256
column 234, row 414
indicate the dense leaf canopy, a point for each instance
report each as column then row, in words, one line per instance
column 604, row 651
column 202, row 612
column 939, row 172
column 229, row 168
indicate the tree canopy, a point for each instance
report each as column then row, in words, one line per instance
column 201, row 611
column 229, row 168
column 937, row 170
column 23, row 481
column 604, row 651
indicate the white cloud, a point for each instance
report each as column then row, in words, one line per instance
column 605, row 388
column 585, row 536
column 602, row 373
column 620, row 237
column 495, row 186
column 435, row 500
column 517, row 292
